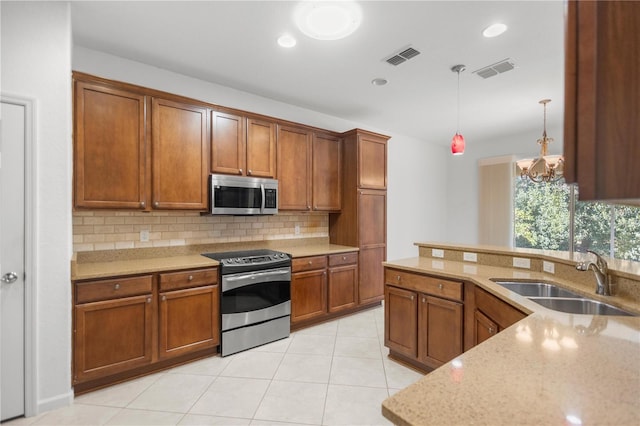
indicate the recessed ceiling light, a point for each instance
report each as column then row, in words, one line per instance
column 494, row 30
column 379, row 81
column 286, row 40
column 328, row 20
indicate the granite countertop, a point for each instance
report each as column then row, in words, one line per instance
column 132, row 262
column 549, row 368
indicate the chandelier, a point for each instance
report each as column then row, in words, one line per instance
column 545, row 168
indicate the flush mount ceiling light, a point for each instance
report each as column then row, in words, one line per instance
column 457, row 143
column 286, row 40
column 494, row 30
column 328, row 20
column 545, row 168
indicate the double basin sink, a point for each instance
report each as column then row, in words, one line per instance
column 559, row 299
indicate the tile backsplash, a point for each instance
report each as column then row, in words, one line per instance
column 114, row 230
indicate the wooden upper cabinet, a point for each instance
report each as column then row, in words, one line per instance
column 227, row 143
column 110, row 147
column 602, row 99
column 242, row 146
column 372, row 162
column 180, row 155
column 294, row 168
column 261, row 148
column 327, row 172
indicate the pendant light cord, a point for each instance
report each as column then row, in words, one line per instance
column 458, row 123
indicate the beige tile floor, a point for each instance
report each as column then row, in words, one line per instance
column 336, row 373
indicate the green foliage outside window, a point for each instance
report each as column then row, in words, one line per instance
column 541, row 220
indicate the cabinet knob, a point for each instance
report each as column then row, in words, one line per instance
column 190, row 278
column 398, row 277
column 310, row 262
column 491, row 330
column 142, row 204
column 249, row 172
column 239, row 171
column 156, row 204
column 440, row 286
column 344, row 257
column 411, row 297
column 308, row 207
column 116, row 287
column 164, row 298
column 424, row 300
column 148, row 300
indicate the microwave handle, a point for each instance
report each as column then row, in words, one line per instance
column 262, row 204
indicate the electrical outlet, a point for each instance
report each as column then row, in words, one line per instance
column 549, row 267
column 520, row 262
column 470, row 257
column 144, row 236
column 297, row 230
column 437, row 253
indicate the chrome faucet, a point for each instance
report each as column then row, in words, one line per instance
column 601, row 270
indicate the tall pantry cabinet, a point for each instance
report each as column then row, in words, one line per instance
column 363, row 220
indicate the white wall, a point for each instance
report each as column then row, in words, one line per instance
column 462, row 174
column 36, row 63
column 415, row 200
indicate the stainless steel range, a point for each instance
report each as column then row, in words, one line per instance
column 255, row 303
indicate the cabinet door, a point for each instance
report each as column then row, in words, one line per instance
column 227, row 143
column 109, row 147
column 308, row 295
column 327, row 172
column 294, row 168
column 439, row 330
column 372, row 162
column 112, row 336
column 483, row 328
column 261, row 148
column 372, row 218
column 371, row 275
column 401, row 321
column 180, row 155
column 601, row 125
column 189, row 320
column 342, row 287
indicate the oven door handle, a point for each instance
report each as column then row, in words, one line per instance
column 241, row 280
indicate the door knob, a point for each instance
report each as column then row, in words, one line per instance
column 9, row 277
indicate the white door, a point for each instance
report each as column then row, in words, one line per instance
column 12, row 260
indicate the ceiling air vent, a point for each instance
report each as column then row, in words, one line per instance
column 402, row 56
column 495, row 69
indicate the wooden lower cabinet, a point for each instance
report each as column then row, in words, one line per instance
column 308, row 295
column 129, row 326
column 492, row 315
column 483, row 327
column 401, row 321
column 440, row 330
column 342, row 288
column 112, row 336
column 371, row 275
column 188, row 320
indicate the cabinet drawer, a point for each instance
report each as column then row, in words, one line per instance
column 425, row 284
column 308, row 263
column 343, row 259
column 186, row 279
column 112, row 288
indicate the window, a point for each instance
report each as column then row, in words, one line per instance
column 543, row 217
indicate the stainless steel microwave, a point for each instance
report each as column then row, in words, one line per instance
column 240, row 195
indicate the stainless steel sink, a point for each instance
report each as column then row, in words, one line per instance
column 559, row 299
column 580, row 306
column 536, row 289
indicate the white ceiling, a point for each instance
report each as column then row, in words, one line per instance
column 233, row 43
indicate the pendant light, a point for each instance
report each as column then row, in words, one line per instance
column 457, row 143
column 545, row 168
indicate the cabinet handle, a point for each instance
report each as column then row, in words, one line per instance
column 308, row 207
column 344, row 257
column 142, row 204
column 424, row 300
column 440, row 286
column 398, row 278
column 116, row 286
column 156, row 204
column 310, row 262
column 240, row 171
column 491, row 330
column 190, row 278
column 164, row 298
column 249, row 172
column 324, row 273
column 148, row 300
column 411, row 297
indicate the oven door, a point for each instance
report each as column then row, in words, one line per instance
column 253, row 297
